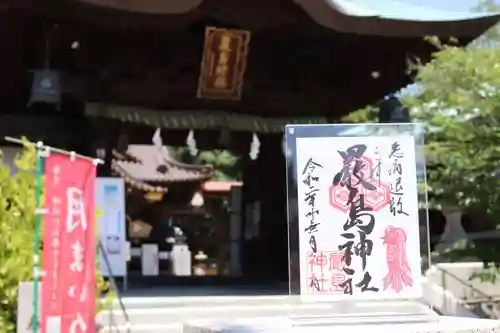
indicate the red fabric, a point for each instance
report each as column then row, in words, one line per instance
column 68, row 290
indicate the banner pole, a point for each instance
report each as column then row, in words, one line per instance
column 38, row 217
column 52, row 149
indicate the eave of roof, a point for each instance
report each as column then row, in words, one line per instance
column 396, row 18
column 138, row 166
column 401, row 10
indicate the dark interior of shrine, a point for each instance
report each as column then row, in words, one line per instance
column 295, row 67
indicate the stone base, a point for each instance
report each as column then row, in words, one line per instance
column 328, row 325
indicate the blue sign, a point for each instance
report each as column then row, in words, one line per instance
column 110, row 189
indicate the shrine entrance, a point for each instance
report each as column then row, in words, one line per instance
column 99, row 77
column 235, row 231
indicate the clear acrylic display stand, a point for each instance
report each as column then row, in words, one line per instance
column 324, row 145
column 394, row 307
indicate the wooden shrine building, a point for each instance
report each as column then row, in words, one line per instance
column 153, row 171
column 81, row 74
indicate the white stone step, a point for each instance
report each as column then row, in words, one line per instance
column 167, row 314
column 180, row 301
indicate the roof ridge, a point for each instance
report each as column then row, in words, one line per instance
column 140, row 168
column 125, row 156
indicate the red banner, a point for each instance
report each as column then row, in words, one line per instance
column 68, row 289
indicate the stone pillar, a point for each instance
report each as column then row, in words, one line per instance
column 453, row 230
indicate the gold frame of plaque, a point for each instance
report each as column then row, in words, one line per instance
column 223, row 64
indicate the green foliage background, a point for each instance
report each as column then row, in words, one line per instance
column 459, row 102
column 458, row 99
column 224, row 162
column 17, row 233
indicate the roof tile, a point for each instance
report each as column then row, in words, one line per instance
column 150, row 158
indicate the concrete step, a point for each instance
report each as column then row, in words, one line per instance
column 183, row 301
column 167, row 314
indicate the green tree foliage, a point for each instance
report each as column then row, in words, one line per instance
column 225, row 164
column 17, row 235
column 459, row 102
column 17, row 230
column 368, row 114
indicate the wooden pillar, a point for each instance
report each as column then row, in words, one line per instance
column 251, row 249
column 235, row 231
column 272, row 192
column 264, row 182
column 104, row 136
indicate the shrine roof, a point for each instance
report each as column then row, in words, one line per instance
column 309, row 61
column 396, row 18
column 402, row 10
column 145, row 167
column 356, row 16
